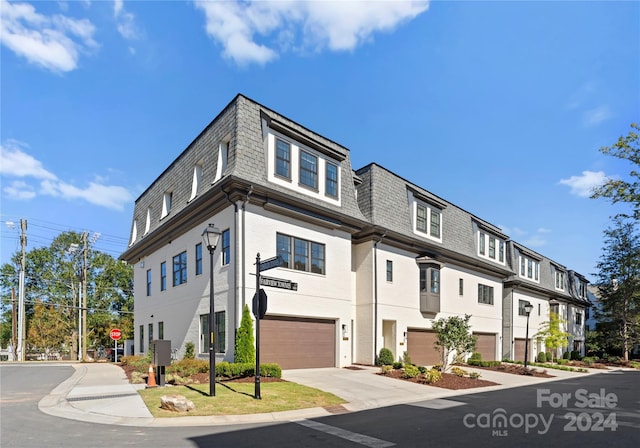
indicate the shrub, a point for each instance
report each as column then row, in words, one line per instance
column 141, row 363
column 563, row 361
column 484, row 363
column 245, row 351
column 565, row 355
column 432, row 376
column 137, row 378
column 187, row 367
column 542, row 357
column 410, row 371
column 189, row 350
column 457, row 371
column 476, row 356
column 549, row 357
column 633, row 364
column 422, row 369
column 271, row 370
column 385, row 357
column 474, row 375
column 385, row 369
column 406, row 359
column 575, row 355
column 438, row 367
column 397, row 365
column 588, row 360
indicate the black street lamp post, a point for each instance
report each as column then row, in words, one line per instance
column 210, row 236
column 527, row 309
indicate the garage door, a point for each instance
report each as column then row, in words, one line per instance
column 421, row 348
column 296, row 343
column 518, row 348
column 486, row 345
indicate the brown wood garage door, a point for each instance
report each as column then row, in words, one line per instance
column 297, row 343
column 486, row 345
column 421, row 349
column 518, row 349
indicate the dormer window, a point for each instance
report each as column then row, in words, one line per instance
column 308, row 170
column 529, row 268
column 166, row 203
column 559, row 276
column 147, row 224
column 196, row 181
column 428, row 220
column 283, row 159
column 490, row 247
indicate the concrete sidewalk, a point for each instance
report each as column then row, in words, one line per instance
column 101, row 393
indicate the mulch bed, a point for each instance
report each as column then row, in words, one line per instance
column 448, row 381
column 516, row 369
column 203, row 378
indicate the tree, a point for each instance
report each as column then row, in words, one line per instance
column 48, row 329
column 552, row 334
column 619, row 282
column 245, row 350
column 627, row 148
column 53, row 276
column 453, row 336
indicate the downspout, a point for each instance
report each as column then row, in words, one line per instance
column 244, row 203
column 375, row 298
column 235, row 281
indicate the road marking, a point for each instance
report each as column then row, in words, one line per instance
column 371, row 442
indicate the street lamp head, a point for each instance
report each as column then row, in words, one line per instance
column 528, row 307
column 210, row 236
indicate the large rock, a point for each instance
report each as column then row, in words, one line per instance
column 176, row 403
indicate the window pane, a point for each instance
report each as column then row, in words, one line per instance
column 317, row 258
column 492, row 247
column 198, row 258
column 501, row 251
column 283, row 249
column 308, row 170
column 226, row 247
column 283, row 159
column 300, row 255
column 220, row 336
column 522, row 266
column 482, row 243
column 421, row 218
column 163, row 276
column 435, row 224
column 423, row 279
column 435, row 281
column 148, row 282
column 529, row 268
column 204, row 333
column 332, row 180
column 160, row 330
column 389, row 270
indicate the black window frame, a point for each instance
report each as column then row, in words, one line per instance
column 306, row 173
column 163, row 276
column 389, row 271
column 149, row 279
column 331, row 183
column 485, row 294
column 198, row 251
column 300, row 254
column 226, row 247
column 281, row 161
column 180, row 269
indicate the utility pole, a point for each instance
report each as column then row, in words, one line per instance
column 84, row 299
column 14, row 326
column 22, row 331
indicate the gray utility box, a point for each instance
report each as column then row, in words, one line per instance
column 161, row 351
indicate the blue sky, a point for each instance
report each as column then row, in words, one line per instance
column 499, row 107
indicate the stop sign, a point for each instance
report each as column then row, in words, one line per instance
column 115, row 334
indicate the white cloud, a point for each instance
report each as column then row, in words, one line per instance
column 17, row 163
column 597, row 115
column 583, row 185
column 535, row 241
column 543, row 230
column 19, row 190
column 126, row 21
column 52, row 42
column 14, row 162
column 318, row 24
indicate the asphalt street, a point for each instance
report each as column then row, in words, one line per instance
column 591, row 411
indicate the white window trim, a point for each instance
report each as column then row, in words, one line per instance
column 482, row 234
column 197, row 181
column 427, row 232
column 320, row 192
column 147, row 225
column 536, row 265
column 563, row 278
column 167, row 202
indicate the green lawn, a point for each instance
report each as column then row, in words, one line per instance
column 237, row 398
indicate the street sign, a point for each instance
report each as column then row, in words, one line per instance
column 278, row 283
column 260, row 304
column 271, row 263
column 115, row 334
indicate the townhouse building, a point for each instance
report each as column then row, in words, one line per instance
column 376, row 258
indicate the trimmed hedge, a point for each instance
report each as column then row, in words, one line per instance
column 241, row 370
column 473, row 362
